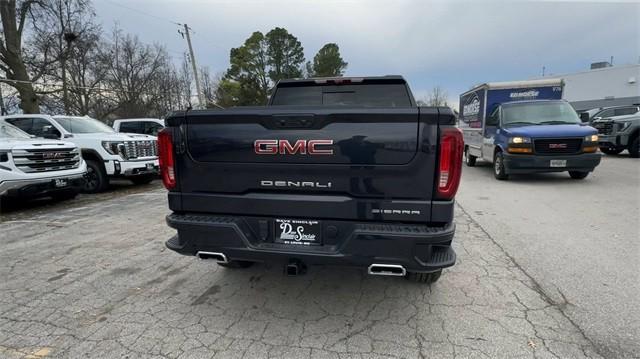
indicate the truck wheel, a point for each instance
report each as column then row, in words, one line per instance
column 142, row 179
column 64, row 195
column 236, row 264
column 578, row 174
column 426, row 278
column 634, row 147
column 498, row 167
column 610, row 151
column 96, row 178
column 469, row 160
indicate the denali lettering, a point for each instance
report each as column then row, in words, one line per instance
column 284, row 147
column 303, row 184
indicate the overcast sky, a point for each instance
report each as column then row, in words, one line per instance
column 452, row 44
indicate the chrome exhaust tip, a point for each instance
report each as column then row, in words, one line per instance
column 394, row 270
column 218, row 257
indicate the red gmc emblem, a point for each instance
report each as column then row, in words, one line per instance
column 284, row 147
column 557, row 145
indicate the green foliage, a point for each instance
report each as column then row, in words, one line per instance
column 327, row 62
column 285, row 55
column 257, row 65
column 249, row 68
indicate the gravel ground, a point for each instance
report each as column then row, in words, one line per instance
column 92, row 278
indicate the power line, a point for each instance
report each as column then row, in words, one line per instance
column 142, row 12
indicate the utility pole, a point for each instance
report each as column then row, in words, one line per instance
column 195, row 68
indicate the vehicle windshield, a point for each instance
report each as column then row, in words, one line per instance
column 83, row 125
column 10, row 131
column 539, row 113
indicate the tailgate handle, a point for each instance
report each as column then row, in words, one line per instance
column 297, row 121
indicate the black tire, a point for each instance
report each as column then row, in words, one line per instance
column 498, row 167
column 610, row 151
column 426, row 278
column 578, row 174
column 96, row 179
column 469, row 160
column 634, row 147
column 236, row 264
column 64, row 195
column 6, row 203
column 142, row 179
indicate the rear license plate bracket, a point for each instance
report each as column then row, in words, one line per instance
column 298, row 231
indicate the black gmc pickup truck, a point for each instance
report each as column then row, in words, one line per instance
column 336, row 171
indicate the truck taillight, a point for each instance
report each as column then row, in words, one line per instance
column 450, row 162
column 165, row 157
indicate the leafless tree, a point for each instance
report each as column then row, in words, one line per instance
column 66, row 30
column 437, row 97
column 14, row 18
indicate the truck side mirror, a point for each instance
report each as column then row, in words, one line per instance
column 584, row 117
column 50, row 132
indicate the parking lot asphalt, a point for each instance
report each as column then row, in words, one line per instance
column 578, row 240
column 93, row 279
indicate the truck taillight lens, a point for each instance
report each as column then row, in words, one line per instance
column 165, row 157
column 450, row 162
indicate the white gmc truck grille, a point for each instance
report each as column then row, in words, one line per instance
column 45, row 160
column 140, row 149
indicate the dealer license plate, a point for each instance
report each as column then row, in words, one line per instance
column 149, row 166
column 60, row 182
column 298, row 231
column 558, row 163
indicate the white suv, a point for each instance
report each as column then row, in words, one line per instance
column 107, row 153
column 31, row 167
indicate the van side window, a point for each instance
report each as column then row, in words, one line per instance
column 492, row 120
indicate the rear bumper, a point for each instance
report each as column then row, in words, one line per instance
column 585, row 162
column 418, row 248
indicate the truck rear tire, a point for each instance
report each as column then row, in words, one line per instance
column 469, row 160
column 610, row 151
column 236, row 264
column 498, row 167
column 634, row 147
column 426, row 278
column 96, row 179
column 142, row 179
column 578, row 174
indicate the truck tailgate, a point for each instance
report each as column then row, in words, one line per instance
column 261, row 161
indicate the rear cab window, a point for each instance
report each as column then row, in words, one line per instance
column 370, row 93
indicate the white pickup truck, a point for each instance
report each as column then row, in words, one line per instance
column 108, row 153
column 31, row 167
